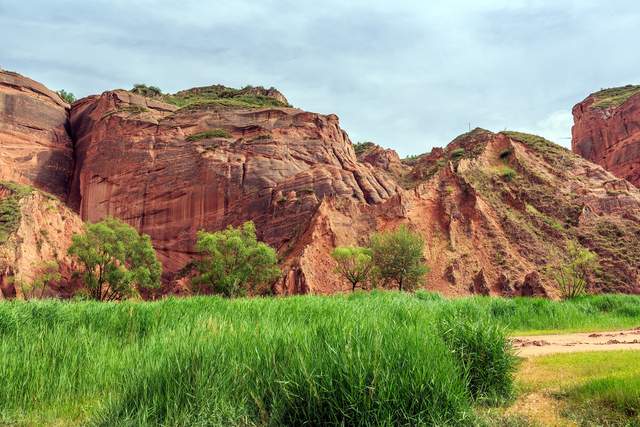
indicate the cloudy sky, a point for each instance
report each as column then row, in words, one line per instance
column 409, row 75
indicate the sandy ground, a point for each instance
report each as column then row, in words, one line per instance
column 540, row 345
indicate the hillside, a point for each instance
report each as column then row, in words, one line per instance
column 495, row 209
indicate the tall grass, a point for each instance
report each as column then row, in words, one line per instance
column 360, row 359
column 352, row 360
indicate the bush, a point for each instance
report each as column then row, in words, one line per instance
column 214, row 133
column 148, row 91
column 457, row 154
column 117, row 261
column 506, row 173
column 67, row 97
column 398, row 257
column 573, row 275
column 235, row 262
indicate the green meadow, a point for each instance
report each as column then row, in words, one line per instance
column 379, row 358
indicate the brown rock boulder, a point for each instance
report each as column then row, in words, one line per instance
column 607, row 131
column 35, row 147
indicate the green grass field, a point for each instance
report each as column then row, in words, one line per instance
column 590, row 389
column 377, row 358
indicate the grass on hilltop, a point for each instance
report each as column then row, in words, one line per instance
column 614, row 97
column 218, row 95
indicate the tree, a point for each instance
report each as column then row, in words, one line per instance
column 573, row 275
column 68, row 97
column 118, row 262
column 47, row 273
column 398, row 257
column 235, row 262
column 354, row 263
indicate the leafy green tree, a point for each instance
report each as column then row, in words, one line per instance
column 573, row 275
column 235, row 262
column 68, row 97
column 398, row 257
column 354, row 263
column 118, row 262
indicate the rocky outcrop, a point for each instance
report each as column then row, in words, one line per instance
column 35, row 230
column 35, row 147
column 607, row 131
column 172, row 171
column 495, row 210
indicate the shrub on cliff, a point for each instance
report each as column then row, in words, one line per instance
column 68, row 97
column 235, row 262
column 118, row 262
column 144, row 90
column 398, row 257
column 353, row 263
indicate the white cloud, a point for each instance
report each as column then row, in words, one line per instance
column 409, row 75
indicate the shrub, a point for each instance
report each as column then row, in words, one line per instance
column 361, row 147
column 117, row 261
column 506, row 173
column 213, row 133
column 398, row 257
column 67, row 97
column 235, row 262
column 457, row 154
column 46, row 273
column 353, row 263
column 573, row 275
column 148, row 91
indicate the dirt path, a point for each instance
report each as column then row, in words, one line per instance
column 539, row 345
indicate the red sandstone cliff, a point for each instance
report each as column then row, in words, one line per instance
column 494, row 209
column 607, row 131
column 171, row 172
column 35, row 147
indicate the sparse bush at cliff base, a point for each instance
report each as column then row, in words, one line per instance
column 354, row 264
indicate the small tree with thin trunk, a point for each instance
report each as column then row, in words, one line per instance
column 354, row 263
column 118, row 262
column 398, row 257
column 573, row 275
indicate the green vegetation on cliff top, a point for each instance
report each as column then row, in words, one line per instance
column 614, row 97
column 218, row 95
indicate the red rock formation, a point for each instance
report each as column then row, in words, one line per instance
column 607, row 131
column 40, row 232
column 35, row 147
column 157, row 168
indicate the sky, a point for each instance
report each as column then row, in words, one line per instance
column 408, row 75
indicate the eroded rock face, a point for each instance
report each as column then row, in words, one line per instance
column 40, row 232
column 35, row 147
column 171, row 172
column 608, row 133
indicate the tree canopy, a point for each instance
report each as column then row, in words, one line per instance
column 354, row 263
column 118, row 262
column 235, row 262
column 398, row 257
